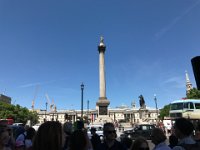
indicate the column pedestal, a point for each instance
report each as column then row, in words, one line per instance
column 102, row 104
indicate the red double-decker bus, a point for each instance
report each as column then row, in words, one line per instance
column 8, row 121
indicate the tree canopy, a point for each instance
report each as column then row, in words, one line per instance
column 17, row 113
column 193, row 94
column 164, row 112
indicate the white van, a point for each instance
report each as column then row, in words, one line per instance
column 98, row 127
column 18, row 124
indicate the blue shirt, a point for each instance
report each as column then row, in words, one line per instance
column 187, row 140
column 162, row 146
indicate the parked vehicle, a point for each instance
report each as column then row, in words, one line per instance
column 187, row 108
column 99, row 130
column 18, row 124
column 143, row 130
column 36, row 126
column 9, row 121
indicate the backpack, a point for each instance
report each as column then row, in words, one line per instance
column 195, row 146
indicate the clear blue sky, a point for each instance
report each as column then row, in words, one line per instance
column 51, row 46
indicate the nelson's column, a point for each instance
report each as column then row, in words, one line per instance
column 103, row 102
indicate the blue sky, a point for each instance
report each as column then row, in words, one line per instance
column 51, row 47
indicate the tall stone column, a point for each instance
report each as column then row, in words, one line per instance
column 103, row 102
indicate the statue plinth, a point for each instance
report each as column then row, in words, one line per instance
column 143, row 107
column 103, row 103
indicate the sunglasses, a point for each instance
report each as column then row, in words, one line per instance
column 142, row 148
column 111, row 131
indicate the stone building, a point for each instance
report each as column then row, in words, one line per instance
column 122, row 113
column 5, row 99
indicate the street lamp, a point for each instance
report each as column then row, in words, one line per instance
column 88, row 108
column 82, row 88
column 46, row 111
column 155, row 99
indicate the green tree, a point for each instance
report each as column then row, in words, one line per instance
column 17, row 113
column 193, row 94
column 164, row 112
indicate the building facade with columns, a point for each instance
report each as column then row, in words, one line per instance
column 122, row 113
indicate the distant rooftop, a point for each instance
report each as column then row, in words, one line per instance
column 5, row 99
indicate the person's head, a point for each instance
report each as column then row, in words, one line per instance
column 48, row 136
column 78, row 140
column 30, row 133
column 78, row 125
column 93, row 130
column 109, row 131
column 140, row 144
column 26, row 127
column 173, row 140
column 67, row 128
column 127, row 142
column 183, row 128
column 158, row 136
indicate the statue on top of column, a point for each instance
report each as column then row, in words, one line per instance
column 142, row 102
column 102, row 41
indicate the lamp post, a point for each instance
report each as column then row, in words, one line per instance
column 155, row 99
column 82, row 88
column 46, row 111
column 88, row 102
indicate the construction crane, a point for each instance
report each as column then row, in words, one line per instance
column 48, row 100
column 51, row 105
column 35, row 95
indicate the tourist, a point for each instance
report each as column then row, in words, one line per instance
column 197, row 133
column 4, row 137
column 21, row 133
column 67, row 128
column 79, row 141
column 110, row 142
column 49, row 136
column 127, row 142
column 158, row 138
column 29, row 138
column 183, row 129
column 173, row 141
column 140, row 144
column 95, row 138
column 11, row 141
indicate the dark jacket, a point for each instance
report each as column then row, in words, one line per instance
column 116, row 146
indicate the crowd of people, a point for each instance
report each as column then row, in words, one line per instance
column 52, row 135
